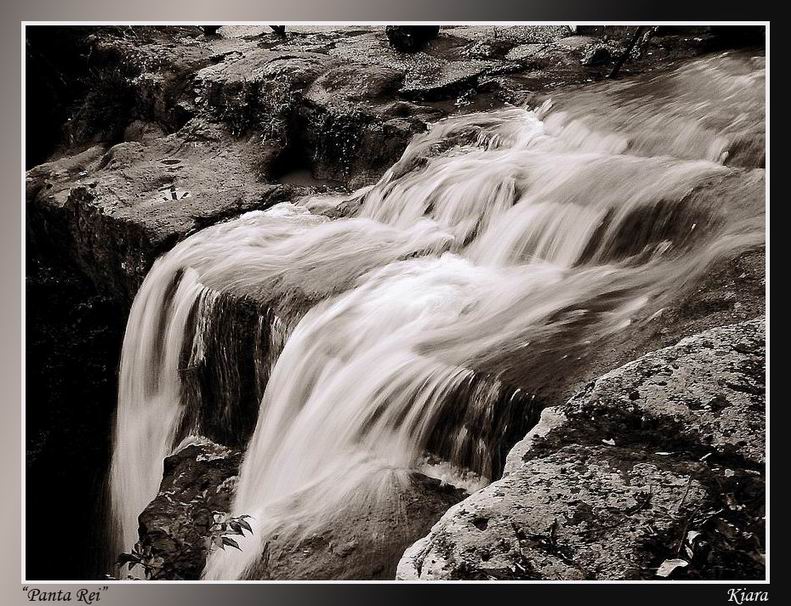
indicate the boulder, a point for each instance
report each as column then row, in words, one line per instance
column 348, row 83
column 198, row 481
column 352, row 129
column 658, row 460
column 363, row 539
column 410, row 38
column 430, row 74
column 703, row 396
column 597, row 54
column 257, row 90
column 359, row 541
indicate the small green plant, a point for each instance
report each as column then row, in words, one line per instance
column 223, row 528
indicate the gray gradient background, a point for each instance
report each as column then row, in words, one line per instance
column 15, row 11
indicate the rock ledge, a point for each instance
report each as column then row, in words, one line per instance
column 659, row 459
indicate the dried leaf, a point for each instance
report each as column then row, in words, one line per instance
column 691, row 536
column 668, row 566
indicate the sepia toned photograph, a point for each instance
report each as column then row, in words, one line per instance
column 369, row 302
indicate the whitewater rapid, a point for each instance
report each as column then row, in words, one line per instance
column 498, row 244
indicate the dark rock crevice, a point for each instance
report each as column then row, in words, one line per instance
column 222, row 390
column 73, row 334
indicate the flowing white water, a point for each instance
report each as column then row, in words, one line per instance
column 496, row 245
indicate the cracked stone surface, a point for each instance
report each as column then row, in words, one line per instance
column 116, row 209
column 609, row 485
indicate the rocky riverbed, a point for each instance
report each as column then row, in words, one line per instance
column 162, row 132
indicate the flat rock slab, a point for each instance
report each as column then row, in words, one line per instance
column 426, row 74
column 579, row 513
column 659, row 459
column 115, row 210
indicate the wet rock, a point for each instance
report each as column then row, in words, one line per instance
column 352, row 128
column 511, row 34
column 255, row 89
column 609, row 485
column 577, row 43
column 527, row 51
column 428, row 75
column 198, row 481
column 347, row 83
column 410, row 38
column 357, row 542
column 704, row 395
column 488, row 49
column 587, row 51
column 313, row 110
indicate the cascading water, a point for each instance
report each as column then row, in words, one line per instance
column 500, row 245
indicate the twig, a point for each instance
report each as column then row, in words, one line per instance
column 684, row 531
column 684, row 498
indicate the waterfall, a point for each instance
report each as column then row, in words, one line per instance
column 498, row 247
